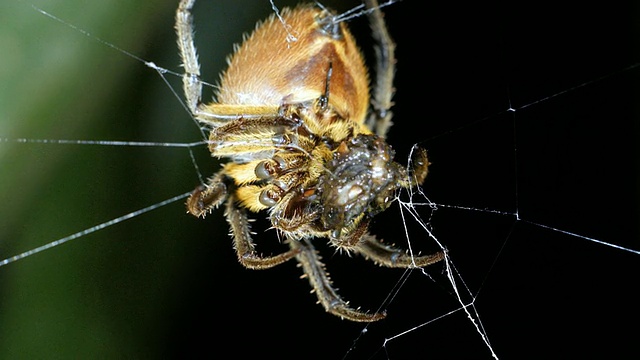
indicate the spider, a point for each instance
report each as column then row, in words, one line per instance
column 304, row 142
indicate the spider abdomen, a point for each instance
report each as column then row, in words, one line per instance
column 287, row 59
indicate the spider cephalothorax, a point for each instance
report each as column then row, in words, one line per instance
column 292, row 118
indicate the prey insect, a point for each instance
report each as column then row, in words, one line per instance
column 305, row 144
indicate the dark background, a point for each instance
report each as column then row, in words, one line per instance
column 165, row 284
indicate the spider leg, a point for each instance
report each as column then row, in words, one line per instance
column 315, row 271
column 419, row 168
column 380, row 119
column 244, row 246
column 205, row 198
column 389, row 256
column 191, row 79
column 361, row 242
column 191, row 83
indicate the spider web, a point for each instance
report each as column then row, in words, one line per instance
column 530, row 120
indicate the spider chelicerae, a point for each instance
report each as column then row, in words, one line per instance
column 304, row 141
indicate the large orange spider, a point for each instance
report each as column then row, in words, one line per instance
column 292, row 115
